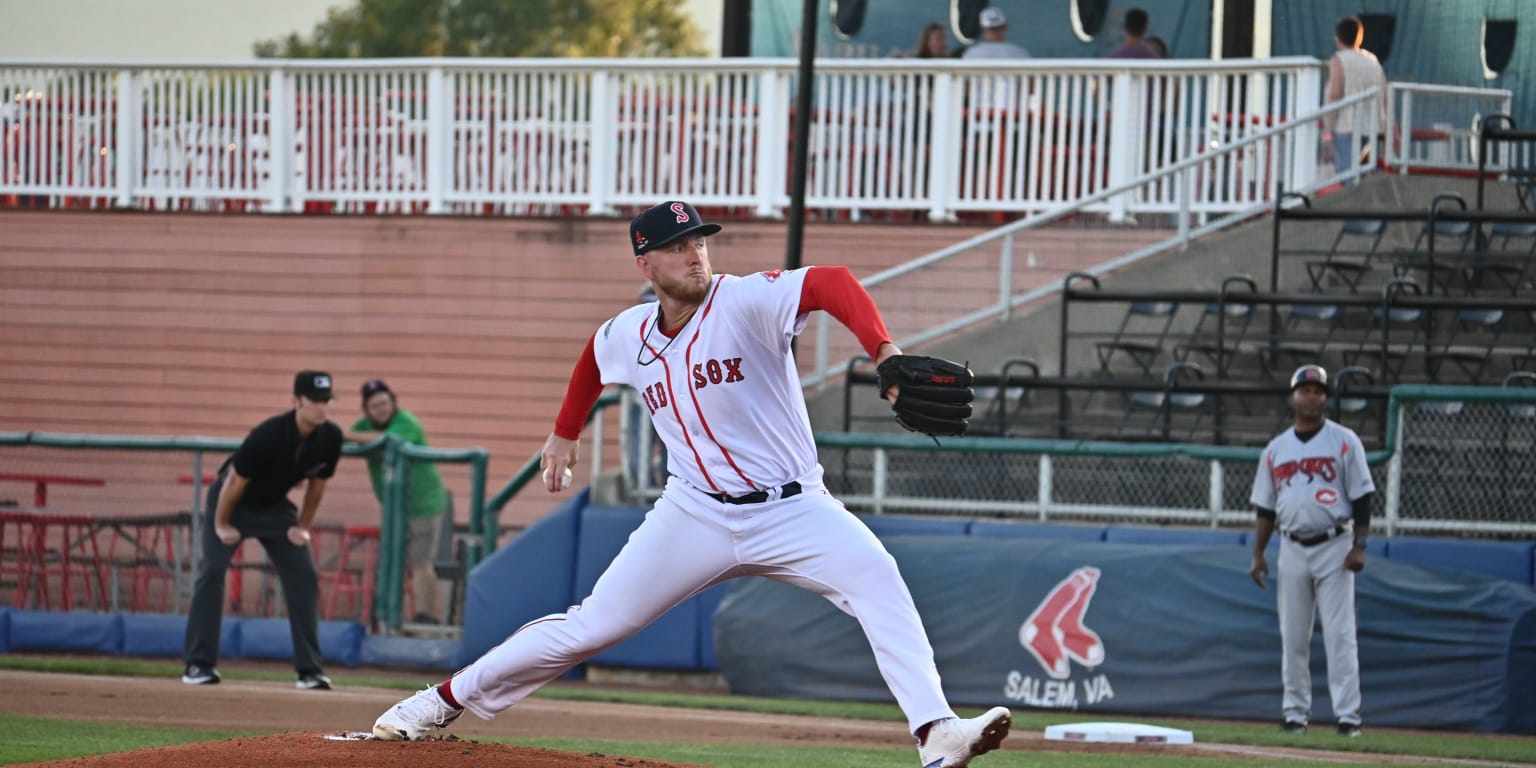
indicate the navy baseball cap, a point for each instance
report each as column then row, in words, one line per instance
column 1310, row 374
column 661, row 224
column 372, row 387
column 315, row 385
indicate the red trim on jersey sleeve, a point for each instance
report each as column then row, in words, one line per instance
column 586, row 384
column 835, row 290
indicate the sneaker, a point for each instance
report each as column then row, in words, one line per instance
column 415, row 717
column 198, row 674
column 1350, row 730
column 952, row 742
column 313, row 681
column 1293, row 726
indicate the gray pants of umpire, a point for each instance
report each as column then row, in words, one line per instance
column 295, row 568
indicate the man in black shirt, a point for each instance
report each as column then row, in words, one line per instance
column 250, row 500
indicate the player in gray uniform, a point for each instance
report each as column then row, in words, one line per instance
column 1311, row 484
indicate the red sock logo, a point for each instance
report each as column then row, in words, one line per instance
column 1055, row 634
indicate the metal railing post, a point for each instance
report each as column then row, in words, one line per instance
column 1395, row 474
column 1046, row 486
column 281, row 123
column 943, row 165
column 773, row 138
column 1127, row 132
column 440, row 138
column 1218, row 492
column 602, row 143
column 129, row 110
column 877, row 489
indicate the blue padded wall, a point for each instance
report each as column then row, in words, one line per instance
column 885, row 526
column 66, row 632
column 146, row 634
column 670, row 642
column 5, row 630
column 989, row 529
column 708, row 602
column 1124, row 534
column 340, row 641
column 1509, row 560
column 529, row 577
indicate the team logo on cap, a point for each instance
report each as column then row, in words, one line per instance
column 322, row 381
column 640, row 239
column 681, row 211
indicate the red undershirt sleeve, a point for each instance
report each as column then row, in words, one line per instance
column 586, row 384
column 836, row 291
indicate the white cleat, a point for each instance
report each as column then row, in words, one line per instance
column 415, row 717
column 952, row 743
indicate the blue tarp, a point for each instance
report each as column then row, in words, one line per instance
column 1181, row 629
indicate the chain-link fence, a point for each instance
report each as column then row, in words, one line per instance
column 1463, row 461
column 112, row 523
column 1458, row 461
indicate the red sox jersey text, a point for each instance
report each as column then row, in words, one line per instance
column 723, row 392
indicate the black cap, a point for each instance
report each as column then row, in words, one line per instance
column 1310, row 374
column 372, row 387
column 315, row 385
column 661, row 224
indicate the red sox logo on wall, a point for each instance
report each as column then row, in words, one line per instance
column 1055, row 633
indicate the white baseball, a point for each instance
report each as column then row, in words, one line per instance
column 565, row 478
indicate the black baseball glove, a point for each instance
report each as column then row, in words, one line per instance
column 935, row 394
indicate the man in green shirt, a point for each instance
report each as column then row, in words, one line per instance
column 426, row 498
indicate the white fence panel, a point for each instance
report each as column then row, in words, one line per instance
column 572, row 137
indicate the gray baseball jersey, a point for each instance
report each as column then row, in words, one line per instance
column 1309, row 484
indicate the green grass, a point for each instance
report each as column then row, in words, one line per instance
column 35, row 739
column 103, row 739
column 750, row 756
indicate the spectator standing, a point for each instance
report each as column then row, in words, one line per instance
column 995, row 92
column 1135, row 45
column 994, row 38
column 426, row 501
column 250, row 500
column 1312, row 483
column 1351, row 71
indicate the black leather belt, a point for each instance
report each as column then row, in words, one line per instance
column 1312, row 541
column 757, row 497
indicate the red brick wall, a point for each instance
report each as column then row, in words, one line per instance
column 192, row 324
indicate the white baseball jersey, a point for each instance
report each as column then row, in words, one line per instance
column 723, row 393
column 1309, row 484
column 725, row 397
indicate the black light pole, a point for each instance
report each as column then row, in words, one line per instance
column 802, row 132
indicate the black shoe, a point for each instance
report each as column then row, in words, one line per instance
column 1350, row 730
column 1292, row 726
column 313, row 681
column 198, row 674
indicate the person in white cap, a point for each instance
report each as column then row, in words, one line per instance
column 994, row 43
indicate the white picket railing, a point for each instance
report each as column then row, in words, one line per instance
column 1436, row 127
column 514, row 136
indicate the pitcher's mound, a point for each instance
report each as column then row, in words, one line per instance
column 346, row 750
